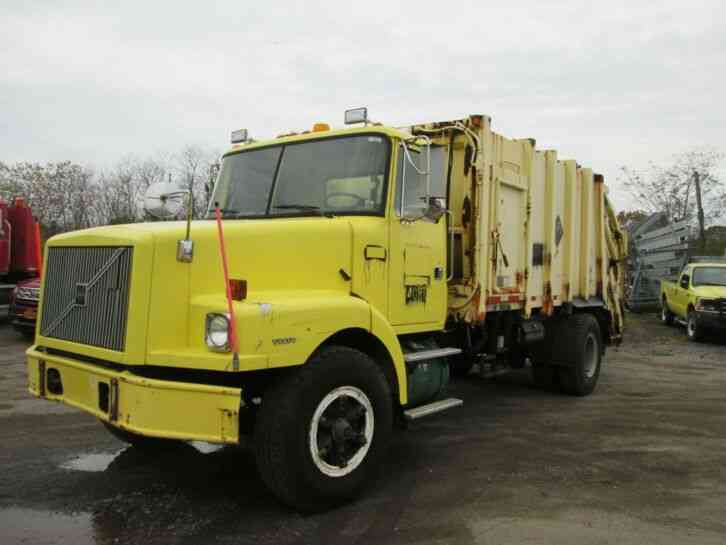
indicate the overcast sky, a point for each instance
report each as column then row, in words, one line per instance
column 606, row 83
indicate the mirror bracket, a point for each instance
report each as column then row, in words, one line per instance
column 164, row 196
column 185, row 251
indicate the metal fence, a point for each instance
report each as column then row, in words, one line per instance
column 659, row 249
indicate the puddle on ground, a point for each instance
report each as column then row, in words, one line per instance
column 45, row 527
column 95, row 462
column 206, row 448
column 91, row 462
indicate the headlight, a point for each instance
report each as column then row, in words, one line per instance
column 217, row 334
column 28, row 294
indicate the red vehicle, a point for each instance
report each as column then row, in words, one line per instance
column 24, row 306
column 20, row 259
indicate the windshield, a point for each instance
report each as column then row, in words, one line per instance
column 709, row 276
column 339, row 176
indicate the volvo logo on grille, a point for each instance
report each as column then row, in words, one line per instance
column 81, row 294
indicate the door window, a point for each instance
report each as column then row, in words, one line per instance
column 415, row 180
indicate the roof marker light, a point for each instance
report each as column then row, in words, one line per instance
column 356, row 115
column 238, row 136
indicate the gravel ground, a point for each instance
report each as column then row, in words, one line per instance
column 640, row 461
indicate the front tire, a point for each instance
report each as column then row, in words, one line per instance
column 321, row 432
column 694, row 331
column 580, row 353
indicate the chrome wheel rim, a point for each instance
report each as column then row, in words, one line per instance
column 591, row 356
column 341, row 431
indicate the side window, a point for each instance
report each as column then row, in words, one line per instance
column 415, row 193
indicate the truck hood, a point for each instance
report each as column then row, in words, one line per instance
column 279, row 254
column 168, row 300
column 710, row 292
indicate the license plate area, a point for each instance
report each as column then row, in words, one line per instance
column 108, row 398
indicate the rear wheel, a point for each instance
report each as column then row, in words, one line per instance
column 321, row 433
column 544, row 376
column 666, row 316
column 580, row 354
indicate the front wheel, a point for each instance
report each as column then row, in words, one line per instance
column 693, row 330
column 323, row 430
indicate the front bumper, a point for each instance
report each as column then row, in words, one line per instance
column 23, row 315
column 711, row 320
column 150, row 407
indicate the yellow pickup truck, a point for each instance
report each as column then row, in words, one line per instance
column 696, row 298
column 365, row 265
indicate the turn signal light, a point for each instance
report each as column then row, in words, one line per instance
column 238, row 289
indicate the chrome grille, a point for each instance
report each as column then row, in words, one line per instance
column 86, row 295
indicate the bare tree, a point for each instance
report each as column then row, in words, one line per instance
column 672, row 189
column 60, row 194
column 66, row 196
column 193, row 167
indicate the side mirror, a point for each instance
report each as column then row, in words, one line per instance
column 435, row 210
column 164, row 200
column 684, row 282
column 418, row 145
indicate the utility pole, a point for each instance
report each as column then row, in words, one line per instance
column 701, row 219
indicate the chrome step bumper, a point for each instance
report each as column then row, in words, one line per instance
column 432, row 408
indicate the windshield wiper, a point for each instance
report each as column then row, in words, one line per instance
column 223, row 211
column 298, row 206
column 305, row 207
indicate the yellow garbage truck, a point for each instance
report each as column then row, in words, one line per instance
column 364, row 266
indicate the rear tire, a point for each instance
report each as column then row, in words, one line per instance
column 321, row 432
column 666, row 316
column 544, row 376
column 580, row 354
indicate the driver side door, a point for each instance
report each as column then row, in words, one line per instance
column 681, row 299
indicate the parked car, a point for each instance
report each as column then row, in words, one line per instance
column 24, row 306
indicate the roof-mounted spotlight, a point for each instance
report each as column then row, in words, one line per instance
column 356, row 115
column 239, row 136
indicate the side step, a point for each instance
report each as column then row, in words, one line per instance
column 413, row 357
column 432, row 408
